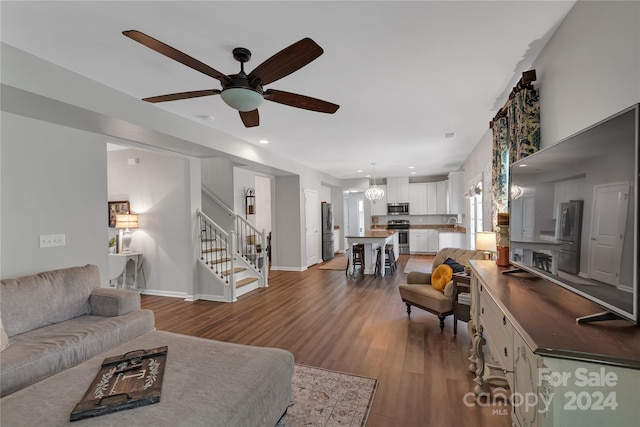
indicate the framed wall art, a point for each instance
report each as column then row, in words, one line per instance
column 115, row 208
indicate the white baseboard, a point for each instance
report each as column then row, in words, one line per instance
column 172, row 294
column 297, row 269
column 214, row 298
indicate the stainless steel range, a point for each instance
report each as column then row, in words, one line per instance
column 402, row 227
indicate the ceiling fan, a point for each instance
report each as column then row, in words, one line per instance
column 244, row 92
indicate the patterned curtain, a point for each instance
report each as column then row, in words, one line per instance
column 515, row 136
column 500, row 169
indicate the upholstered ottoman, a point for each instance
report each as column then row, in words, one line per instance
column 206, row 383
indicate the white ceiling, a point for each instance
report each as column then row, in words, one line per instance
column 404, row 73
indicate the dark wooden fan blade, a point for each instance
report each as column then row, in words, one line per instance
column 182, row 95
column 285, row 62
column 175, row 54
column 250, row 118
column 300, row 101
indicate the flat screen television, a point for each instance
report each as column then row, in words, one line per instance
column 574, row 215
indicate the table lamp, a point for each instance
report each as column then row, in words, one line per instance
column 486, row 241
column 126, row 222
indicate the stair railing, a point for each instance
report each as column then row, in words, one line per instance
column 246, row 240
column 216, row 251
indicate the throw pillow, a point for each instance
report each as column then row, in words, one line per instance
column 4, row 340
column 441, row 276
column 455, row 266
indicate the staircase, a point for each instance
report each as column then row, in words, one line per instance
column 236, row 259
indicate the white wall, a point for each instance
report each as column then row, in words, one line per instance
column 590, row 68
column 54, row 181
column 159, row 190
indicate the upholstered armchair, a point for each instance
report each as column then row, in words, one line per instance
column 419, row 292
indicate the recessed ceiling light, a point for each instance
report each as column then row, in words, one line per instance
column 449, row 134
column 359, row 170
column 367, row 176
column 413, row 173
column 522, row 166
column 263, row 141
column 412, row 167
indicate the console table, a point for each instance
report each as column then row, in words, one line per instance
column 559, row 373
column 118, row 268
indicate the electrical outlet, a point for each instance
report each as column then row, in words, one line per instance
column 51, row 240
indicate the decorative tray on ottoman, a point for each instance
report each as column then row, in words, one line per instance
column 128, row 381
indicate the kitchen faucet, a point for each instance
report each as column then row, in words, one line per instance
column 455, row 220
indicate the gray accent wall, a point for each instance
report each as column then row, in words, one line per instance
column 54, row 181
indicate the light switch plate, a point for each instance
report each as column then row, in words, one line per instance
column 51, row 240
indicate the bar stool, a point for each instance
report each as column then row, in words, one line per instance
column 389, row 259
column 358, row 256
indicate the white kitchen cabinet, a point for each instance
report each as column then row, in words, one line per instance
column 427, row 198
column 432, row 201
column 423, row 241
column 418, row 198
column 432, row 241
column 456, row 193
column 417, row 241
column 398, row 190
column 441, row 197
column 380, row 206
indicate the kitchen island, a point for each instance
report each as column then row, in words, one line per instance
column 372, row 239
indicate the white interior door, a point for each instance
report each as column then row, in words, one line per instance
column 610, row 205
column 311, row 214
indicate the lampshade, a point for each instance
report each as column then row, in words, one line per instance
column 127, row 221
column 374, row 192
column 242, row 99
column 486, row 241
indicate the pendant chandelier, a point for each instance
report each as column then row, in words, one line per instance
column 374, row 192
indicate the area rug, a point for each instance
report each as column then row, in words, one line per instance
column 421, row 264
column 337, row 263
column 323, row 398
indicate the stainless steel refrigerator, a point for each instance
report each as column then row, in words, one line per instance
column 569, row 233
column 327, row 231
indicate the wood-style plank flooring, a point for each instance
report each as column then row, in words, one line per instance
column 355, row 325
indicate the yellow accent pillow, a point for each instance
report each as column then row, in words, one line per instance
column 441, row 276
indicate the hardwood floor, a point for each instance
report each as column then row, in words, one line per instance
column 355, row 325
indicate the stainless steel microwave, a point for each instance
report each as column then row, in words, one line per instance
column 397, row 208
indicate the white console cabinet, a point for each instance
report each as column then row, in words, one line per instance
column 554, row 371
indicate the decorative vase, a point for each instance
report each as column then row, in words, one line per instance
column 503, row 256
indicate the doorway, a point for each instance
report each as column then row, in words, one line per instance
column 608, row 226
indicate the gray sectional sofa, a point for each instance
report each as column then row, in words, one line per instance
column 58, row 319
column 61, row 322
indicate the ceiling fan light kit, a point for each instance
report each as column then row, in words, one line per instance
column 244, row 92
column 242, row 99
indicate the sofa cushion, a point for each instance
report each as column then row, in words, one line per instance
column 45, row 351
column 113, row 302
column 427, row 297
column 42, row 299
